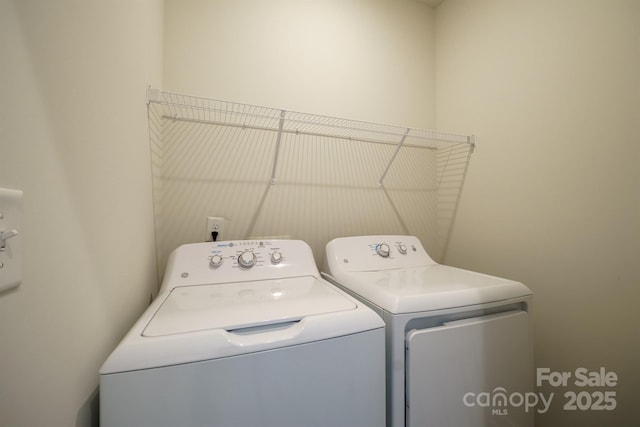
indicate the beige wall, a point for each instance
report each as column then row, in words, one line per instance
column 73, row 137
column 359, row 59
column 551, row 198
column 552, row 194
column 368, row 60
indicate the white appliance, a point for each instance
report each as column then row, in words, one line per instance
column 247, row 333
column 459, row 343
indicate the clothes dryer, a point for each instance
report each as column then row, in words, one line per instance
column 458, row 343
column 247, row 333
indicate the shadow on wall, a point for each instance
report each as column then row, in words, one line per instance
column 270, row 179
column 89, row 413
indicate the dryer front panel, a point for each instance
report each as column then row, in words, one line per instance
column 463, row 373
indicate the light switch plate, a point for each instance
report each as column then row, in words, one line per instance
column 11, row 254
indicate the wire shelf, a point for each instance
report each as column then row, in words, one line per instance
column 284, row 173
column 197, row 109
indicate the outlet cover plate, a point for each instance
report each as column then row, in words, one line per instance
column 214, row 223
column 11, row 255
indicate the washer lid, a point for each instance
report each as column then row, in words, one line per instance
column 241, row 305
column 436, row 287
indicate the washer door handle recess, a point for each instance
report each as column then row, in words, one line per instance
column 6, row 235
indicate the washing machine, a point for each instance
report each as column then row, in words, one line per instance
column 458, row 343
column 247, row 333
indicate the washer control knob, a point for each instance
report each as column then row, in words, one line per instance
column 383, row 250
column 216, row 261
column 276, row 257
column 402, row 248
column 247, row 259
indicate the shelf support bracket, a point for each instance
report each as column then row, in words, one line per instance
column 472, row 142
column 153, row 95
column 275, row 157
column 395, row 154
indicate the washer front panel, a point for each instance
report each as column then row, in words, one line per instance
column 448, row 366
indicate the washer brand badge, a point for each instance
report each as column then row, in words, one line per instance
column 500, row 400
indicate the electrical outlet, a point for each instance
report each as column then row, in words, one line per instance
column 214, row 225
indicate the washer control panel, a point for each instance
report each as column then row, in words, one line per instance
column 241, row 260
column 391, row 248
column 370, row 253
column 247, row 254
column 385, row 249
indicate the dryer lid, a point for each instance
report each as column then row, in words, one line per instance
column 241, row 305
column 429, row 288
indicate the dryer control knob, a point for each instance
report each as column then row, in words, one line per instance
column 276, row 257
column 216, row 261
column 402, row 248
column 383, row 250
column 247, row 259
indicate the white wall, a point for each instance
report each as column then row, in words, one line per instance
column 73, row 137
column 552, row 194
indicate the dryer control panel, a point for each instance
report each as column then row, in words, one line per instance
column 371, row 253
column 240, row 260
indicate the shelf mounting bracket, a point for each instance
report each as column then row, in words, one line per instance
column 275, row 157
column 395, row 154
